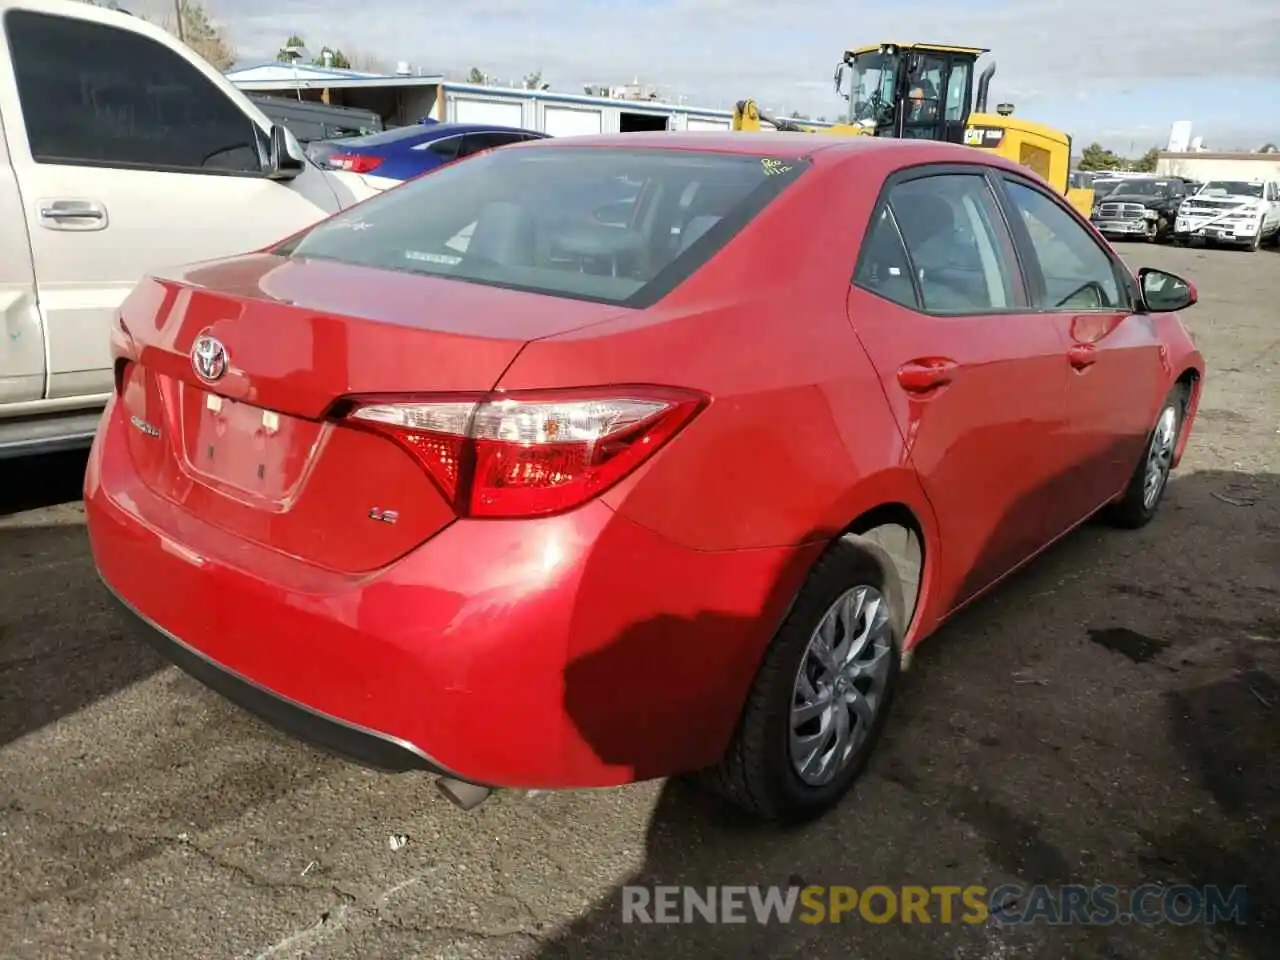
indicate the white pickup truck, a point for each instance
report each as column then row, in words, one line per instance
column 1236, row 212
column 121, row 151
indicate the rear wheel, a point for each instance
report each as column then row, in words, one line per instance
column 822, row 693
column 1141, row 499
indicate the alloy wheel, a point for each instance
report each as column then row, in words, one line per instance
column 840, row 685
column 1159, row 456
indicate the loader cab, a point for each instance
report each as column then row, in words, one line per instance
column 910, row 90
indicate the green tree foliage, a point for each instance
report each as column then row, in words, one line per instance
column 283, row 54
column 336, row 57
column 1147, row 162
column 1094, row 157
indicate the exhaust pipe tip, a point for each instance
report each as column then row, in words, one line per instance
column 464, row 796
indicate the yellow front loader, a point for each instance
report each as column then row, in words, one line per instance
column 924, row 91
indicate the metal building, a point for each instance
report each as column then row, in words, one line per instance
column 407, row 96
column 564, row 114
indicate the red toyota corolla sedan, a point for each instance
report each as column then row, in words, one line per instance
column 608, row 458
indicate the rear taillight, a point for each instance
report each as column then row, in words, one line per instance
column 353, row 162
column 525, row 455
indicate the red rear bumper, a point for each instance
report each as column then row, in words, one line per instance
column 580, row 650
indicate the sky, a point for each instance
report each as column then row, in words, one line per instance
column 1119, row 73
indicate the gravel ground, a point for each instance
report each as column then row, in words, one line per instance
column 1109, row 716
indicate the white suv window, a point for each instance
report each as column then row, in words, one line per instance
column 95, row 95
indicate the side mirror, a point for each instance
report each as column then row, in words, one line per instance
column 286, row 159
column 1164, row 292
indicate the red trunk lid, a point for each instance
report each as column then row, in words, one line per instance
column 251, row 451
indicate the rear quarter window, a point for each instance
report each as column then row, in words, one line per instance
column 613, row 225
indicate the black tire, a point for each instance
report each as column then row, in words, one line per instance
column 756, row 772
column 1132, row 510
column 1256, row 242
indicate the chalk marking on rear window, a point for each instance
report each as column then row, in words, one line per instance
column 774, row 168
column 432, row 257
column 357, row 225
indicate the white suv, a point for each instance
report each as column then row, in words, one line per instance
column 1239, row 212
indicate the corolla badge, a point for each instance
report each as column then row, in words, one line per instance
column 209, row 358
column 147, row 428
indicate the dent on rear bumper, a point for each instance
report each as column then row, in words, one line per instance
column 580, row 650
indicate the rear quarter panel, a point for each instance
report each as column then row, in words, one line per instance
column 798, row 438
column 402, row 162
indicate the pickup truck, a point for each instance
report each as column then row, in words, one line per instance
column 121, row 151
column 1242, row 213
column 1141, row 207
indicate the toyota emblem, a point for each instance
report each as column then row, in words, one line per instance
column 209, row 358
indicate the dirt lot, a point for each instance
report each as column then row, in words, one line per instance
column 1111, row 716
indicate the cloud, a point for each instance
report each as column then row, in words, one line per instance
column 714, row 52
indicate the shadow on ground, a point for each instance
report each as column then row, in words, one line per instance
column 61, row 646
column 1110, row 716
column 34, row 482
column 1131, row 741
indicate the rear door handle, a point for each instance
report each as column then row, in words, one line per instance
column 1082, row 355
column 72, row 214
column 923, row 376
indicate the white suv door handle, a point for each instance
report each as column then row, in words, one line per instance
column 72, row 214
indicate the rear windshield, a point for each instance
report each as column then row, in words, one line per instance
column 613, row 225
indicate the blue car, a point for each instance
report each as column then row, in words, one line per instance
column 393, row 156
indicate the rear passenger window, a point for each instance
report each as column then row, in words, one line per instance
column 959, row 252
column 446, row 149
column 883, row 267
column 98, row 95
column 1078, row 275
column 475, row 142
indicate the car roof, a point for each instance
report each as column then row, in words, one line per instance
column 418, row 133
column 883, row 152
column 447, row 127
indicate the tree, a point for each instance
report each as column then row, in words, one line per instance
column 202, row 36
column 195, row 28
column 1094, row 157
column 283, row 54
column 336, row 59
column 1147, row 162
column 533, row 81
column 477, row 76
